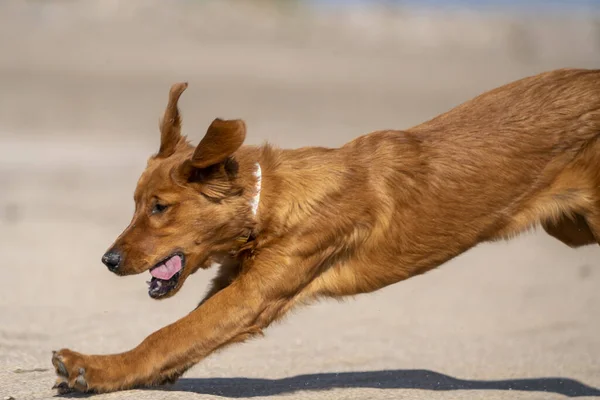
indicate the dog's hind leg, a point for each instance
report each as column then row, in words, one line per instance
column 588, row 165
column 591, row 163
column 592, row 217
column 579, row 190
column 593, row 221
column 574, row 232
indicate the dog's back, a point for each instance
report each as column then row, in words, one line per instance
column 524, row 154
column 550, row 112
column 528, row 149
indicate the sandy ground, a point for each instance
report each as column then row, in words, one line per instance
column 81, row 90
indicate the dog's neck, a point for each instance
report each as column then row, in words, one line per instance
column 286, row 190
column 293, row 185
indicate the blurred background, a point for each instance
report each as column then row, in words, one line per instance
column 82, row 86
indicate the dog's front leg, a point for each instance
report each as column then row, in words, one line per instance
column 231, row 315
column 228, row 272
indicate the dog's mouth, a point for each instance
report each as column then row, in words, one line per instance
column 165, row 275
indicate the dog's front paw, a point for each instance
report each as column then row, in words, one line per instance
column 72, row 371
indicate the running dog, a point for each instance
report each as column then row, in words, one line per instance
column 286, row 227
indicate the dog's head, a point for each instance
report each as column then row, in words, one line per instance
column 192, row 205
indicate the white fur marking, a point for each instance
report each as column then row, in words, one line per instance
column 256, row 199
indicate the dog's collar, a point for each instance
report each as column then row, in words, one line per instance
column 256, row 199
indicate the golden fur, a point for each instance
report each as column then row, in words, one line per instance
column 337, row 222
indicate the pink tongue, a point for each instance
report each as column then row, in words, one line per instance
column 167, row 269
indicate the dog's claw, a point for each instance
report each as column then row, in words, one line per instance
column 60, row 366
column 62, row 386
column 59, row 382
column 80, row 381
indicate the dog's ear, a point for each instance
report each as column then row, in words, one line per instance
column 212, row 166
column 222, row 139
column 170, row 125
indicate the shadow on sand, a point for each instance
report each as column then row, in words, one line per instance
column 388, row 379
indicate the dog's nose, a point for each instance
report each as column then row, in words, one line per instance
column 112, row 259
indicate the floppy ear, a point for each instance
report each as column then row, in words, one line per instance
column 170, row 125
column 222, row 139
column 211, row 167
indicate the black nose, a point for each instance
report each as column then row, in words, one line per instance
column 112, row 259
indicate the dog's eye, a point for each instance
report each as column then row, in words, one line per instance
column 159, row 208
